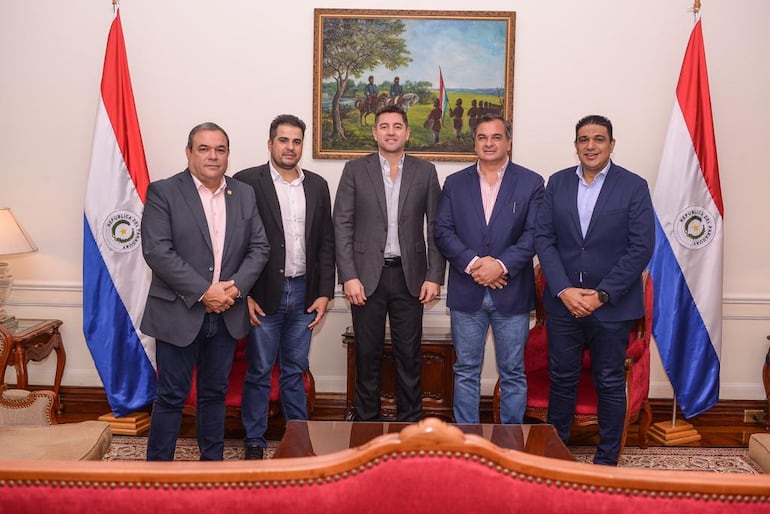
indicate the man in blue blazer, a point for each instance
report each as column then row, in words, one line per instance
column 595, row 235
column 204, row 241
column 485, row 228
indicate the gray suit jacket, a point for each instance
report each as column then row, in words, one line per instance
column 177, row 247
column 361, row 223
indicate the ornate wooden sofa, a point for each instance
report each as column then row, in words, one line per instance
column 430, row 467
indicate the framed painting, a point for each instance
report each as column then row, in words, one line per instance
column 444, row 68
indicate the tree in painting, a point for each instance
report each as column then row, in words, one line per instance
column 351, row 47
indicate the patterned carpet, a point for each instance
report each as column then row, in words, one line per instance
column 721, row 460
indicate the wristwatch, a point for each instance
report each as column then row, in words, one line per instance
column 604, row 296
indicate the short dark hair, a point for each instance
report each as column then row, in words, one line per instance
column 286, row 119
column 209, row 125
column 491, row 116
column 391, row 108
column 594, row 119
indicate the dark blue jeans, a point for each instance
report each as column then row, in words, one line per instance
column 284, row 336
column 212, row 352
column 607, row 342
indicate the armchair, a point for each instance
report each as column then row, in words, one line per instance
column 637, row 370
column 235, row 387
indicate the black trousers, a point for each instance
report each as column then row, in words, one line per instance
column 391, row 298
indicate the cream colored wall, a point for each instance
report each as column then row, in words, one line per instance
column 240, row 63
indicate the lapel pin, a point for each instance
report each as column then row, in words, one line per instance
column 229, row 191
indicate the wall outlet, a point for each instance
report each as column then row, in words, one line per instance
column 754, row 416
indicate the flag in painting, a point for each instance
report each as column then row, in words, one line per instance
column 687, row 264
column 115, row 276
column 443, row 98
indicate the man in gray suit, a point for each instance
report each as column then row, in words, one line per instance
column 386, row 264
column 204, row 241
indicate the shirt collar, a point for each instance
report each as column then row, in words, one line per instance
column 602, row 174
column 277, row 176
column 500, row 171
column 199, row 184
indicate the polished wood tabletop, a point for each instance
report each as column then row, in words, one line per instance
column 306, row 438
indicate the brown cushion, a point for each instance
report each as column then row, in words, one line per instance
column 87, row 440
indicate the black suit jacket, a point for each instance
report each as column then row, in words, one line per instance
column 319, row 238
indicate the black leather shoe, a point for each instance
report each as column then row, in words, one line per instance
column 253, row 452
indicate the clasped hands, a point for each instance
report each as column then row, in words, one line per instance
column 220, row 296
column 580, row 302
column 488, row 272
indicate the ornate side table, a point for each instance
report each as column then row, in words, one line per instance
column 34, row 340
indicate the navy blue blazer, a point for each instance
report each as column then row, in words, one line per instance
column 615, row 251
column 461, row 233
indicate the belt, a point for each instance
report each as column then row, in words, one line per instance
column 391, row 262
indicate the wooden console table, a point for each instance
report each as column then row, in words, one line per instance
column 34, row 340
column 438, row 357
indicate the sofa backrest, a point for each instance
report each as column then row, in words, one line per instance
column 430, row 467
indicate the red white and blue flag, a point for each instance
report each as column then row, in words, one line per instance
column 443, row 98
column 687, row 264
column 115, row 276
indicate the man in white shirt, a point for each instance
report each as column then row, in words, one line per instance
column 291, row 296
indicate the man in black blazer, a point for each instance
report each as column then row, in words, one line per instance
column 386, row 264
column 594, row 236
column 291, row 296
column 204, row 241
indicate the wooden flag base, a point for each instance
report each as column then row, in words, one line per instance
column 135, row 423
column 666, row 433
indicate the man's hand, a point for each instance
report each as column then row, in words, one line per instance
column 216, row 298
column 580, row 302
column 354, row 291
column 429, row 291
column 255, row 311
column 319, row 307
column 487, row 272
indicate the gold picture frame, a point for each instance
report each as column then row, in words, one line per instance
column 454, row 58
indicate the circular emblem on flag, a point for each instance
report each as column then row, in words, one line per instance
column 694, row 227
column 122, row 231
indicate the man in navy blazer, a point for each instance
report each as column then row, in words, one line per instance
column 204, row 241
column 485, row 228
column 291, row 295
column 595, row 235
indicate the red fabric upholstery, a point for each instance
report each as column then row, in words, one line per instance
column 637, row 377
column 234, row 396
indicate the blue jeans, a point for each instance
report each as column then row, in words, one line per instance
column 284, row 336
column 469, row 330
column 212, row 353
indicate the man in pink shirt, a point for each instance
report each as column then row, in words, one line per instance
column 203, row 238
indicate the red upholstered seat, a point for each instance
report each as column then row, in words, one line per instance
column 234, row 395
column 637, row 370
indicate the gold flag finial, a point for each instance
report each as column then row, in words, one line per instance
column 696, row 6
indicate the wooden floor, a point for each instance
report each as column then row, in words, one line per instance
column 721, row 426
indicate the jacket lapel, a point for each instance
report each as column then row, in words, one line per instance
column 311, row 198
column 267, row 190
column 193, row 199
column 610, row 181
column 407, row 177
column 506, row 192
column 374, row 171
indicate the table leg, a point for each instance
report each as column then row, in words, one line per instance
column 61, row 359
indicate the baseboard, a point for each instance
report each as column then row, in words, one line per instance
column 83, row 402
